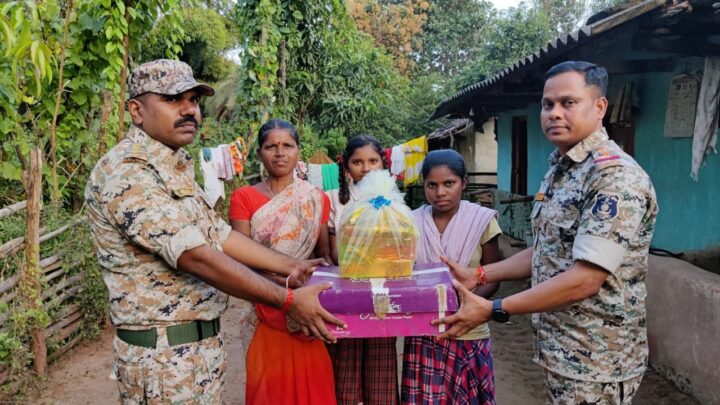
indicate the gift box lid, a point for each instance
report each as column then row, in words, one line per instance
column 429, row 289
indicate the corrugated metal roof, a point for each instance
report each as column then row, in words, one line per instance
column 556, row 46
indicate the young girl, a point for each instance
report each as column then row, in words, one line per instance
column 452, row 371
column 365, row 369
column 289, row 215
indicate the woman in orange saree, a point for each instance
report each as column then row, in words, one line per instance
column 289, row 215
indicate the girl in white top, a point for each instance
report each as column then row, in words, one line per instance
column 365, row 369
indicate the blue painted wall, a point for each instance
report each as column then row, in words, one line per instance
column 689, row 211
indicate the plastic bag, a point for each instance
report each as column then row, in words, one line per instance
column 378, row 234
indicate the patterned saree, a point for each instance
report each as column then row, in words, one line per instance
column 286, row 368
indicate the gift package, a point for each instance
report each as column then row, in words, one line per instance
column 382, row 307
column 377, row 235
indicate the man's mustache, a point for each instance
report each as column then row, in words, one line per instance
column 183, row 120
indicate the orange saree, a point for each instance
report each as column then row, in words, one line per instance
column 285, row 368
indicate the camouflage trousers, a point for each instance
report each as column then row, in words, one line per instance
column 566, row 391
column 192, row 373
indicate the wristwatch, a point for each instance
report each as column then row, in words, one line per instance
column 498, row 314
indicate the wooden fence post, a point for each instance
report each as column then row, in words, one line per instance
column 31, row 273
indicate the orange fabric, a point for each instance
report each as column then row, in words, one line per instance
column 284, row 368
column 287, row 371
column 246, row 200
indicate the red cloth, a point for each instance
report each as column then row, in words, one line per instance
column 246, row 200
column 282, row 368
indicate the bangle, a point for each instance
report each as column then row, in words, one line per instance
column 480, row 275
column 288, row 301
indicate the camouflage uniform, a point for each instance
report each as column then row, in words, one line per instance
column 598, row 205
column 145, row 210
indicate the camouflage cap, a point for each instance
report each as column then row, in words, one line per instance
column 164, row 76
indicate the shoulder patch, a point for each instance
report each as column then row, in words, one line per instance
column 605, row 207
column 606, row 156
column 136, row 154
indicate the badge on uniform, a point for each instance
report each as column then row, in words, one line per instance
column 605, row 207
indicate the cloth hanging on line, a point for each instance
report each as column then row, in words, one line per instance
column 397, row 156
column 415, row 152
column 706, row 118
column 330, row 176
column 214, row 188
column 315, row 175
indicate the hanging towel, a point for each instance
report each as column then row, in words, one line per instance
column 315, row 175
column 626, row 100
column 214, row 188
column 706, row 118
column 228, row 162
column 301, row 170
column 397, row 156
column 218, row 162
column 330, row 176
column 415, row 151
column 387, row 155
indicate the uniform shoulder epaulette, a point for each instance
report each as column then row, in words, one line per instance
column 136, row 153
column 606, row 156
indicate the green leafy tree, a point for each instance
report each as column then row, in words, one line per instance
column 454, row 34
column 307, row 62
column 516, row 33
column 205, row 40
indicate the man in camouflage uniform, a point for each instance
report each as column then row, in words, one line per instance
column 593, row 221
column 168, row 259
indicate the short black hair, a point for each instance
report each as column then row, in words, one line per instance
column 444, row 157
column 276, row 123
column 594, row 75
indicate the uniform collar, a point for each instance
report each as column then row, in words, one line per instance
column 158, row 154
column 580, row 152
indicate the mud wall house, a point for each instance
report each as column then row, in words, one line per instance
column 476, row 144
column 655, row 52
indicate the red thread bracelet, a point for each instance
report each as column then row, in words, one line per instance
column 288, row 301
column 480, row 275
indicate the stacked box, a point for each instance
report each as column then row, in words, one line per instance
column 382, row 307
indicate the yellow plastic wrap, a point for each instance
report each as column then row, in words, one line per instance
column 377, row 235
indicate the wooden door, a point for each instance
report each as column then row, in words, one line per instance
column 518, row 175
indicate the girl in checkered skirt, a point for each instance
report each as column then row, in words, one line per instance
column 451, row 371
column 365, row 369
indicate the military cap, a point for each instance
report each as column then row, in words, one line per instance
column 164, row 76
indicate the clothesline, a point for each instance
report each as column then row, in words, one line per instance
column 225, row 162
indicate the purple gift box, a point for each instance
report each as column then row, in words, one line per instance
column 380, row 307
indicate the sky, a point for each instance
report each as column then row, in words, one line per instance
column 501, row 4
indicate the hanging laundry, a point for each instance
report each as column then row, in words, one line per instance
column 301, row 170
column 330, row 176
column 218, row 162
column 227, row 159
column 706, row 117
column 387, row 154
column 242, row 152
column 315, row 175
column 415, row 151
column 397, row 156
column 214, row 188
